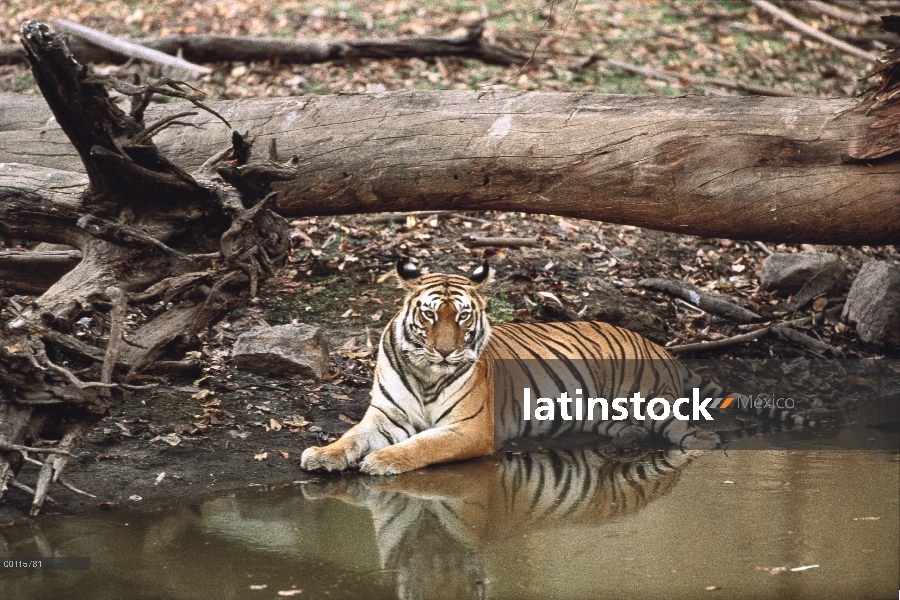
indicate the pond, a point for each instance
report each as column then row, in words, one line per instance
column 746, row 523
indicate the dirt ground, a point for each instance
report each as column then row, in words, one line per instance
column 223, row 429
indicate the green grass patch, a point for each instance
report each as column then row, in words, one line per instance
column 500, row 311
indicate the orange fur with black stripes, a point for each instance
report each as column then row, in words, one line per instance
column 433, row 391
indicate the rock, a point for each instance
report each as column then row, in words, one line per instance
column 788, row 273
column 283, row 350
column 873, row 304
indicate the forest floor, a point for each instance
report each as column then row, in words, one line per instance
column 223, row 428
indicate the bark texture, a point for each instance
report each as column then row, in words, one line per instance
column 772, row 169
column 159, row 255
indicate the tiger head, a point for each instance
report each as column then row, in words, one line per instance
column 443, row 324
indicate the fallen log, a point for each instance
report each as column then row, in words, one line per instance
column 707, row 301
column 751, row 168
column 223, row 48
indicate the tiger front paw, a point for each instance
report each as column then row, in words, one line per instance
column 327, row 458
column 385, row 463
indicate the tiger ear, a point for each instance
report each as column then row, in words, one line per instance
column 481, row 275
column 408, row 272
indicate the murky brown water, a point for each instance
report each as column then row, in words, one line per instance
column 543, row 525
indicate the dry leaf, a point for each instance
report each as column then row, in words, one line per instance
column 284, row 454
column 346, row 419
column 377, row 316
column 298, row 422
column 201, row 394
column 274, row 424
column 171, row 439
column 13, row 349
column 261, row 456
column 819, row 304
column 213, row 402
column 159, row 478
column 350, row 345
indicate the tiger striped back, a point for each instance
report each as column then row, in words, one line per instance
column 603, row 361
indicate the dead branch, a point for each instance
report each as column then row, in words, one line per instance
column 502, row 242
column 223, row 48
column 764, row 248
column 23, row 449
column 815, row 346
column 468, row 218
column 848, row 16
column 694, row 79
column 780, row 329
column 398, row 216
column 714, row 303
column 723, row 343
column 805, row 29
column 72, row 488
column 130, row 49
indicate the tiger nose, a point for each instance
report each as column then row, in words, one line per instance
column 443, row 352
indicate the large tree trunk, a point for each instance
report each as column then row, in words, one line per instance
column 160, row 255
column 774, row 169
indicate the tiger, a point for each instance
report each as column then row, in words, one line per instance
column 432, row 395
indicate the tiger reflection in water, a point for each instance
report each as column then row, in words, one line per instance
column 430, row 531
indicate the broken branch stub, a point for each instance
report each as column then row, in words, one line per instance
column 161, row 254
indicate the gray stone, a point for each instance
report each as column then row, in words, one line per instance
column 873, row 304
column 283, row 350
column 788, row 273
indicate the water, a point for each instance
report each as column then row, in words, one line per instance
column 567, row 524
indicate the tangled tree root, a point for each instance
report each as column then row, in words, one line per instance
column 164, row 254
